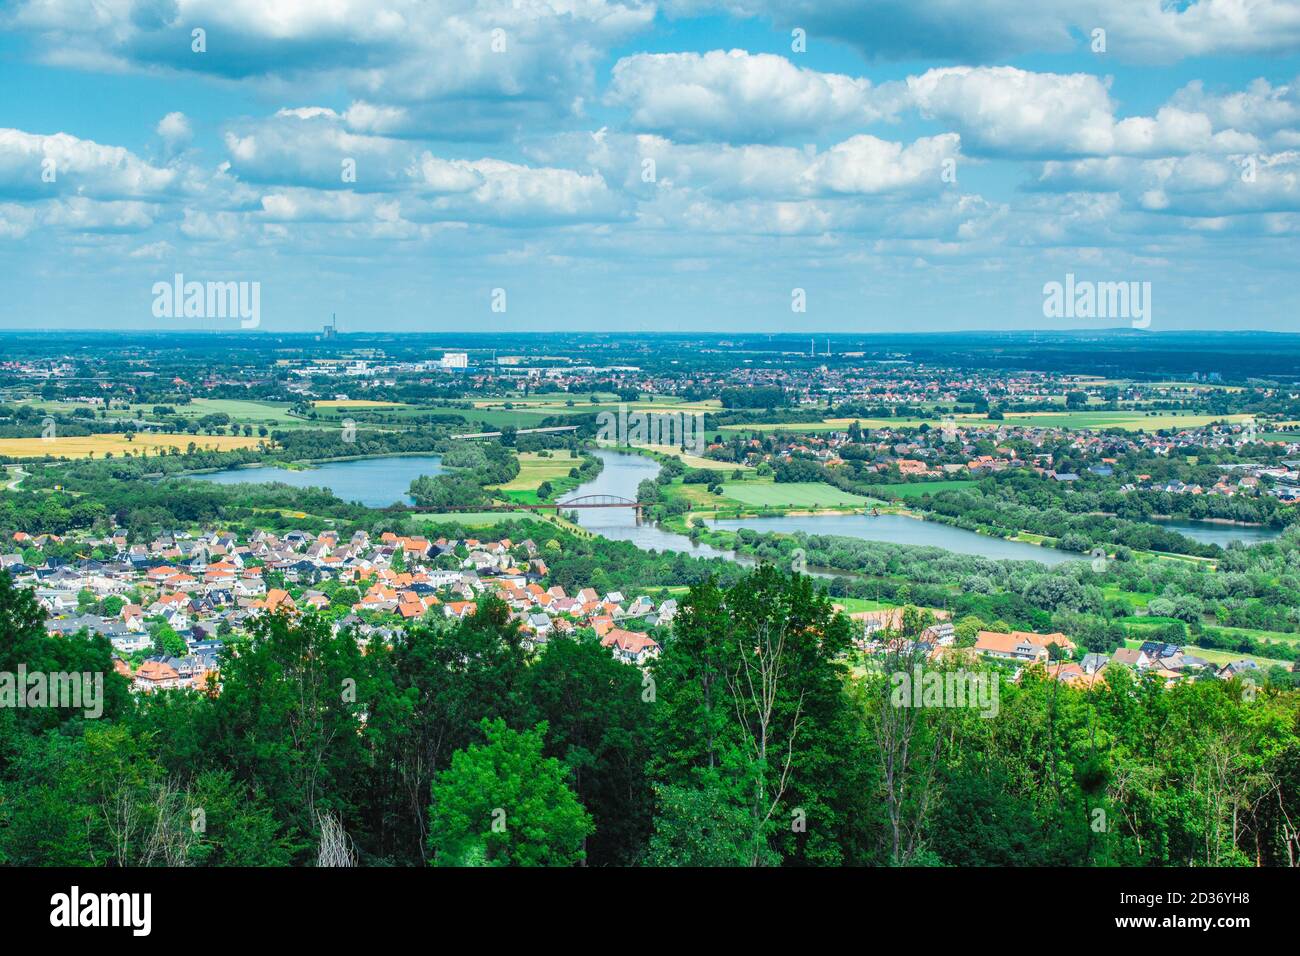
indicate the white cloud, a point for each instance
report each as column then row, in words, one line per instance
column 737, row 96
column 1013, row 112
column 502, row 62
column 984, row 31
column 1261, row 108
column 865, row 165
column 36, row 166
column 175, row 130
column 1199, row 186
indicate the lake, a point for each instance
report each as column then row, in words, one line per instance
column 374, row 482
column 900, row 529
column 379, row 482
column 623, row 472
column 1218, row 532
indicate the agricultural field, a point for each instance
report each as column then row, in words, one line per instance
column 794, row 494
column 477, row 519
column 919, row 489
column 1129, row 421
column 271, row 414
column 356, row 403
column 92, row 446
column 534, row 469
column 529, row 412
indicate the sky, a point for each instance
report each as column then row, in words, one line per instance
column 753, row 165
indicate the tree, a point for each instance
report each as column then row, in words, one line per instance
column 701, row 825
column 292, row 715
column 750, row 686
column 448, row 678
column 506, row 803
column 597, row 714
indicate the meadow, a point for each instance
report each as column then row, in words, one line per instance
column 534, row 469
column 919, row 489
column 356, row 403
column 794, row 494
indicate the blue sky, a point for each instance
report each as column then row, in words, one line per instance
column 920, row 165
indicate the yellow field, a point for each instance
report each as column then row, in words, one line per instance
column 533, row 470
column 96, row 446
column 355, row 403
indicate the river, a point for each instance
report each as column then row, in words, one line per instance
column 379, row 482
column 623, row 472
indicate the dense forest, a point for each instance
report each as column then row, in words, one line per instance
column 752, row 740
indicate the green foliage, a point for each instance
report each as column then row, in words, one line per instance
column 506, row 803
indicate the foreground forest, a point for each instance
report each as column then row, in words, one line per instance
column 751, row 741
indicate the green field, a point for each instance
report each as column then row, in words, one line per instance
column 252, row 413
column 534, row 469
column 470, row 518
column 854, row 605
column 918, row 489
column 795, row 494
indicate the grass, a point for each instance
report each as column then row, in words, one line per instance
column 356, row 403
column 918, row 489
column 795, row 494
column 854, row 605
column 469, row 518
column 1280, row 637
column 87, row 446
column 534, row 469
column 1133, row 599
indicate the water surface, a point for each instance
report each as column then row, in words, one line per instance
column 374, row 482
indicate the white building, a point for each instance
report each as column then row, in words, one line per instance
column 454, row 360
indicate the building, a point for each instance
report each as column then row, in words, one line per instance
column 1013, row 647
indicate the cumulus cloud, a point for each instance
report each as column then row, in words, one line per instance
column 1014, row 112
column 175, row 130
column 309, row 151
column 983, row 31
column 313, row 146
column 410, row 61
column 861, row 165
column 36, row 166
column 1199, row 186
column 738, row 96
column 1261, row 108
